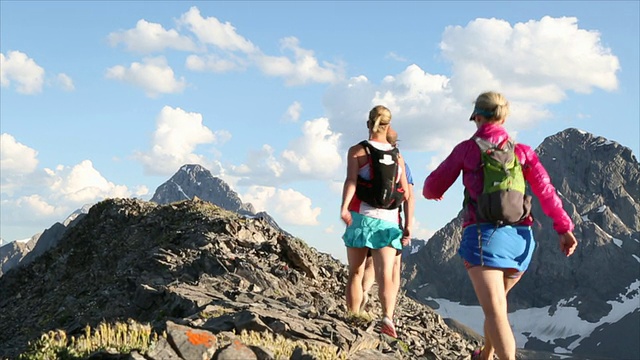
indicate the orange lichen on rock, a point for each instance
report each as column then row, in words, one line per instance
column 201, row 338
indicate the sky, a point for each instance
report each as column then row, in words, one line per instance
column 103, row 99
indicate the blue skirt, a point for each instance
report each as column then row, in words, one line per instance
column 372, row 233
column 504, row 247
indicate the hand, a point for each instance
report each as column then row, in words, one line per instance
column 345, row 215
column 405, row 196
column 568, row 243
column 406, row 237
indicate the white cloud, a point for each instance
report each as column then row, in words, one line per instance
column 303, row 69
column 396, row 57
column 536, row 60
column 417, row 100
column 174, row 141
column 82, row 184
column 46, row 196
column 420, row 232
column 18, row 164
column 18, row 67
column 212, row 32
column 222, row 136
column 149, row 37
column 65, row 82
column 262, row 167
column 287, row 206
column 293, row 112
column 215, row 63
column 36, row 206
column 154, row 76
column 315, row 155
column 533, row 64
column 16, row 158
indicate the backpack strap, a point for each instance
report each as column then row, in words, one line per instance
column 367, row 149
column 506, row 145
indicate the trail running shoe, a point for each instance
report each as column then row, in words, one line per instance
column 477, row 353
column 388, row 328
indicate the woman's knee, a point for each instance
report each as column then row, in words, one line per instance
column 356, row 271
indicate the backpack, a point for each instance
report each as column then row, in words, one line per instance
column 382, row 191
column 503, row 200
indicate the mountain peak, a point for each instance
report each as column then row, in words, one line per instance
column 193, row 180
column 581, row 141
column 188, row 168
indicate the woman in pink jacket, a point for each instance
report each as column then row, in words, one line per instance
column 497, row 256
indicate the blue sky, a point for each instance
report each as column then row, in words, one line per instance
column 109, row 99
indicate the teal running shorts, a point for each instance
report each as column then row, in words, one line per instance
column 372, row 233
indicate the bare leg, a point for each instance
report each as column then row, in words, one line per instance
column 397, row 263
column 509, row 283
column 489, row 285
column 356, row 258
column 369, row 275
column 383, row 261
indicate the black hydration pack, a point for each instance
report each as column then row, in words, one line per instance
column 383, row 191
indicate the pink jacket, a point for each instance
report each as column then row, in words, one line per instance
column 465, row 157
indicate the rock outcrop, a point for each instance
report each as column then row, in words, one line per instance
column 192, row 267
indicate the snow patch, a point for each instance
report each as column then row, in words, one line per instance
column 182, row 191
column 635, row 257
column 415, row 249
column 585, row 218
column 602, row 208
column 564, row 323
column 617, row 242
column 606, row 142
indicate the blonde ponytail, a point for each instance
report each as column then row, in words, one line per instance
column 379, row 118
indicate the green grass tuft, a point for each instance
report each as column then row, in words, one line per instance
column 120, row 338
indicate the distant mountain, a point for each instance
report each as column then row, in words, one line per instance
column 579, row 305
column 194, row 181
column 12, row 253
column 18, row 253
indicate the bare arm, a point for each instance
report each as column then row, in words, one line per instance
column 403, row 179
column 409, row 204
column 349, row 188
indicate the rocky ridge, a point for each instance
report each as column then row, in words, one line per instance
column 193, row 180
column 192, row 267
